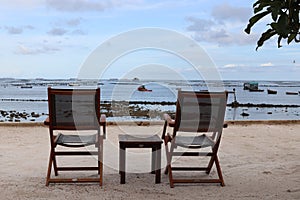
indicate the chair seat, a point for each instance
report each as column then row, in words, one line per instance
column 201, row 141
column 76, row 139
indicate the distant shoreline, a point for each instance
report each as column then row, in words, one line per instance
column 134, row 109
column 160, row 122
column 107, row 103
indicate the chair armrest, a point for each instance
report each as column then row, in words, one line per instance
column 103, row 123
column 102, row 119
column 169, row 120
column 47, row 122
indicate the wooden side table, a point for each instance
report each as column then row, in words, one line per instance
column 128, row 141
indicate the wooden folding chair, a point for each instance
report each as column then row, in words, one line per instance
column 197, row 126
column 74, row 125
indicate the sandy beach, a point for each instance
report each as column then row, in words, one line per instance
column 258, row 160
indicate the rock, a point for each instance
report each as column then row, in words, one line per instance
column 36, row 115
column 245, row 114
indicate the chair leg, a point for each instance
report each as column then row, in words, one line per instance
column 210, row 164
column 100, row 161
column 219, row 171
column 55, row 165
column 167, row 153
column 49, row 168
column 168, row 169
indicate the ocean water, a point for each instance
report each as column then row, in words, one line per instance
column 14, row 98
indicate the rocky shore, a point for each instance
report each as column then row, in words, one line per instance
column 15, row 116
column 133, row 109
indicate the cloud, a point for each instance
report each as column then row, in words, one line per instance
column 78, row 32
column 57, row 31
column 200, row 24
column 63, row 27
column 269, row 64
column 24, row 50
column 230, row 66
column 233, row 66
column 62, row 31
column 14, row 30
column 22, row 4
column 88, row 5
column 74, row 22
column 75, row 5
column 225, row 11
column 225, row 26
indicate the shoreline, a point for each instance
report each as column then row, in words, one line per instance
column 106, row 104
column 161, row 122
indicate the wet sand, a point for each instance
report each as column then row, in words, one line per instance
column 259, row 160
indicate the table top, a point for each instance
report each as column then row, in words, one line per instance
column 139, row 139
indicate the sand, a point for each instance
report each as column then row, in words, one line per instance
column 259, row 161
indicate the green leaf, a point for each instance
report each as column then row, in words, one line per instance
column 275, row 12
column 278, row 41
column 282, row 25
column 254, row 19
column 274, row 26
column 265, row 36
column 260, row 6
column 291, row 37
column 256, row 3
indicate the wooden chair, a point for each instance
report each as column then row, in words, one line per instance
column 197, row 127
column 74, row 124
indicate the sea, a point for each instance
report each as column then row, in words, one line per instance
column 29, row 97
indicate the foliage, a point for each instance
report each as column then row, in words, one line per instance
column 285, row 16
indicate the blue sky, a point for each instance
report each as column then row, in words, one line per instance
column 53, row 38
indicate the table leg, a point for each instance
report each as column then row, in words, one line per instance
column 122, row 162
column 158, row 164
column 153, row 160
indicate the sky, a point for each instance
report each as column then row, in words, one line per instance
column 54, row 38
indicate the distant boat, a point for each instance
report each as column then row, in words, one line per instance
column 291, row 93
column 73, row 84
column 255, row 90
column 272, row 91
column 135, row 79
column 251, row 86
column 26, row 86
column 142, row 88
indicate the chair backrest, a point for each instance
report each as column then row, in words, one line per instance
column 200, row 111
column 74, row 109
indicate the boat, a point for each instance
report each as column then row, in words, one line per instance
column 272, row 91
column 291, row 93
column 74, row 84
column 26, row 86
column 142, row 88
column 251, row 86
column 255, row 90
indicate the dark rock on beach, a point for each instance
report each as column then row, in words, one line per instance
column 244, row 114
column 14, row 116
